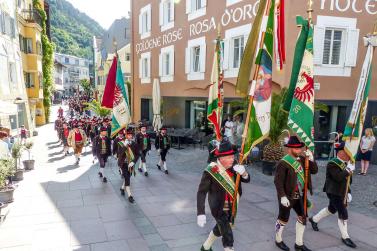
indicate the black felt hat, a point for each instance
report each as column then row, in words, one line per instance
column 294, row 142
column 225, row 149
column 340, row 145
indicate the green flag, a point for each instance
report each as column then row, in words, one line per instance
column 261, row 90
column 297, row 60
column 354, row 128
column 301, row 113
column 249, row 51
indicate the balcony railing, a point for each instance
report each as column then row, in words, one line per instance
column 32, row 16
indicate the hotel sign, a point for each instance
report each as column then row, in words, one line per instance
column 357, row 6
column 230, row 16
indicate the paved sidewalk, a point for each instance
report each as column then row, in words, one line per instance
column 60, row 206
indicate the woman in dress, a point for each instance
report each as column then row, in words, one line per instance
column 366, row 148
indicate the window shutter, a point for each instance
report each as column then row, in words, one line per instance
column 188, row 6
column 140, row 68
column 352, row 47
column 161, row 17
column 203, row 58
column 160, row 66
column 226, row 54
column 172, row 12
column 187, row 61
column 171, row 63
column 319, row 39
column 149, row 18
column 140, row 24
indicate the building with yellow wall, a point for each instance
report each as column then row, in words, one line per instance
column 30, row 29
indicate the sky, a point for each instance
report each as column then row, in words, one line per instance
column 103, row 11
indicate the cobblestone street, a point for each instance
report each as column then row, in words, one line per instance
column 59, row 206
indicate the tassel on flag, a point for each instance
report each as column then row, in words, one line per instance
column 279, row 34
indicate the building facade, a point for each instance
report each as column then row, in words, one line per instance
column 118, row 36
column 173, row 42
column 30, row 29
column 75, row 69
column 14, row 103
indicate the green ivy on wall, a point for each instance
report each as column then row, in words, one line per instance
column 47, row 62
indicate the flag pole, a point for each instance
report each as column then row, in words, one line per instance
column 245, row 130
column 220, row 92
column 310, row 12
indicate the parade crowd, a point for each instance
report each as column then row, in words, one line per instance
column 77, row 130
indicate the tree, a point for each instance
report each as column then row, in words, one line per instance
column 86, row 86
column 96, row 107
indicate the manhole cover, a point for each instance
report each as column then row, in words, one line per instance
column 375, row 203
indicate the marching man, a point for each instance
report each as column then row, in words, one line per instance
column 290, row 182
column 162, row 145
column 144, row 142
column 338, row 171
column 218, row 181
column 128, row 154
column 102, row 150
column 64, row 136
column 118, row 138
column 77, row 140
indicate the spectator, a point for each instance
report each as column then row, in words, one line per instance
column 239, row 127
column 366, row 148
column 229, row 129
column 4, row 148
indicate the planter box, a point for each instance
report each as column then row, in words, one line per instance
column 28, row 164
column 19, row 175
column 6, row 196
column 268, row 167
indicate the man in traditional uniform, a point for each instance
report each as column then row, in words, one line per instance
column 77, row 140
column 218, row 181
column 128, row 154
column 64, row 134
column 118, row 138
column 162, row 145
column 290, row 183
column 102, row 150
column 338, row 172
column 144, row 142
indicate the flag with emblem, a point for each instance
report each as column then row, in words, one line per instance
column 354, row 127
column 301, row 113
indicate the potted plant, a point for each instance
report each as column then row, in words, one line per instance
column 29, row 164
column 6, row 171
column 16, row 152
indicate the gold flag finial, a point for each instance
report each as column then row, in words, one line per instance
column 218, row 30
column 375, row 28
column 310, row 9
column 115, row 45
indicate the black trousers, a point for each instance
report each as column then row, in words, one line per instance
column 126, row 174
column 163, row 154
column 143, row 155
column 223, row 228
column 102, row 160
column 336, row 205
column 297, row 205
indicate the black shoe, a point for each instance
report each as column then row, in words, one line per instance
column 202, row 249
column 131, row 199
column 104, row 180
column 100, row 175
column 282, row 246
column 122, row 192
column 159, row 167
column 166, row 172
column 314, row 224
column 301, row 248
column 146, row 174
column 348, row 242
column 78, row 160
column 140, row 170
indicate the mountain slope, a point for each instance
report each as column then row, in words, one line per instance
column 71, row 30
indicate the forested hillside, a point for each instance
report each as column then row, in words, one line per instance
column 71, row 30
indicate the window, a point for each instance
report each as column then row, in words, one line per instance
column 29, row 45
column 166, row 64
column 2, row 22
column 233, row 48
column 195, row 59
column 166, row 14
column 77, row 62
column 238, row 47
column 39, row 48
column 231, row 2
column 336, row 42
column 21, row 41
column 195, row 8
column 128, row 56
column 125, row 32
column 29, row 80
column 66, row 60
column 12, row 28
column 12, row 73
column 145, row 21
column 145, row 68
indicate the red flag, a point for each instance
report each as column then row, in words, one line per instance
column 280, row 35
column 108, row 94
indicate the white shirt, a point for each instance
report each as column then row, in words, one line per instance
column 4, row 150
column 229, row 128
column 366, row 142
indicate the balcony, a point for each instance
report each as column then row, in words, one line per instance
column 32, row 16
